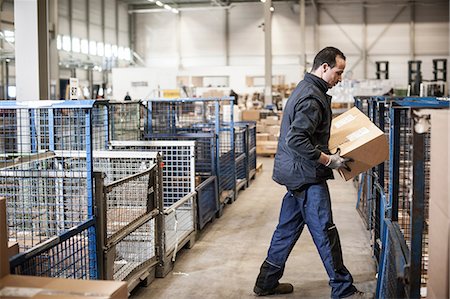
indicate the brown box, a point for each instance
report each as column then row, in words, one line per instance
column 272, row 121
column 266, row 147
column 439, row 210
column 260, row 128
column 20, row 286
column 262, row 137
column 360, row 139
column 273, row 130
column 250, row 115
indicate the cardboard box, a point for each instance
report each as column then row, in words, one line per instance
column 266, row 147
column 271, row 121
column 262, row 137
column 273, row 130
column 250, row 115
column 439, row 209
column 20, row 286
column 360, row 139
column 260, row 128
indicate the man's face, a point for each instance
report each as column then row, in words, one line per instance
column 333, row 75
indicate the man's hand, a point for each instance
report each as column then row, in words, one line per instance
column 336, row 161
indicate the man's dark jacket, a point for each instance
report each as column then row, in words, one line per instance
column 304, row 134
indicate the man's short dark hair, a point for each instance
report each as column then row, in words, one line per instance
column 327, row 55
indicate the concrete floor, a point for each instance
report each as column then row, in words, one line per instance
column 226, row 257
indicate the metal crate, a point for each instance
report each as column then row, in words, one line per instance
column 408, row 191
column 127, row 120
column 47, row 193
column 196, row 117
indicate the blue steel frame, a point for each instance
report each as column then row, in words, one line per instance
column 86, row 106
column 389, row 212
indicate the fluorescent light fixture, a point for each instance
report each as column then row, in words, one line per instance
column 167, row 7
column 159, row 3
column 174, row 10
column 151, row 0
column 263, row 1
column 271, row 8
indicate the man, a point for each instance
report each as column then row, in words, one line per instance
column 303, row 163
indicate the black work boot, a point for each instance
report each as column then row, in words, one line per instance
column 282, row 288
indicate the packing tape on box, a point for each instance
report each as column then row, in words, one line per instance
column 26, row 292
column 357, row 134
column 344, row 121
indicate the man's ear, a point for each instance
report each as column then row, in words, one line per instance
column 324, row 67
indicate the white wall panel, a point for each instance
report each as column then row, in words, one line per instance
column 79, row 29
column 79, row 10
column 123, row 21
column 285, row 30
column 95, row 33
column 95, row 8
column 110, row 36
column 110, row 13
column 202, row 34
column 124, row 39
column 63, row 8
column 246, row 33
column 156, row 36
column 63, row 26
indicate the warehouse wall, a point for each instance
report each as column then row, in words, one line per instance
column 198, row 38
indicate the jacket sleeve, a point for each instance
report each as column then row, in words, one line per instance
column 308, row 115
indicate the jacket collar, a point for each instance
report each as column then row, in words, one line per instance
column 319, row 82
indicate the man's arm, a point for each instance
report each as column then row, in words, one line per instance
column 308, row 115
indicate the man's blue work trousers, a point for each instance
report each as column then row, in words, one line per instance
column 312, row 207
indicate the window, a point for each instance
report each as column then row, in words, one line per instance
column 108, row 50
column 66, row 45
column 92, row 48
column 84, row 46
column 76, row 45
column 100, row 49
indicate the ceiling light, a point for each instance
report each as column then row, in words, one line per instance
column 263, row 1
column 174, row 10
column 159, row 3
column 167, row 7
column 271, row 8
column 151, row 0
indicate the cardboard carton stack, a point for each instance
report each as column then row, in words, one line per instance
column 267, row 130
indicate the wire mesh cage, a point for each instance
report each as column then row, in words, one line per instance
column 251, row 148
column 130, row 200
column 179, row 175
column 47, row 190
column 127, row 120
column 408, row 186
column 193, row 118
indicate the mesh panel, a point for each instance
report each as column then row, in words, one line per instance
column 179, row 223
column 127, row 120
column 47, row 193
column 69, row 257
column 134, row 251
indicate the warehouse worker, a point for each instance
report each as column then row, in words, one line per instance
column 303, row 163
